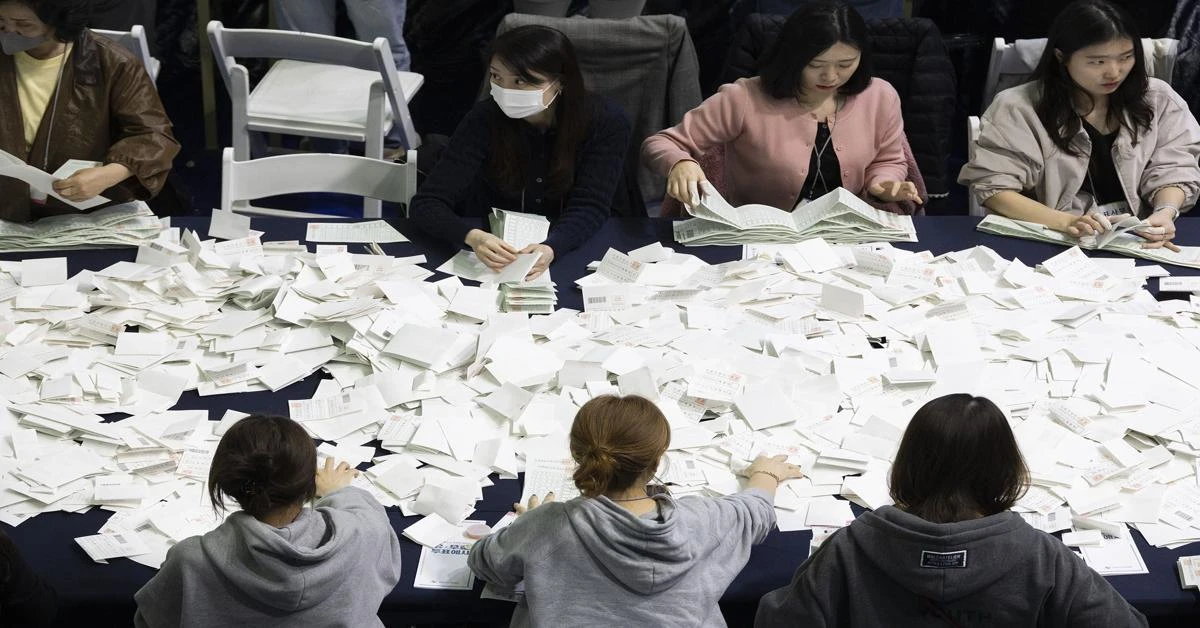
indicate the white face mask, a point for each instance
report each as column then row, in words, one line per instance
column 520, row 103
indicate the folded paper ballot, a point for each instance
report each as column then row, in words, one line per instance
column 1121, row 240
column 838, row 216
column 519, row 229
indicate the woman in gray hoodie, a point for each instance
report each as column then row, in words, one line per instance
column 621, row 553
column 950, row 552
column 276, row 562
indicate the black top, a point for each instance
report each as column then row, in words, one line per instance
column 460, row 189
column 1102, row 172
column 824, row 172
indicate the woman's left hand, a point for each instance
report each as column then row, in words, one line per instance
column 543, row 262
column 534, row 502
column 895, row 191
column 1160, row 233
column 89, row 183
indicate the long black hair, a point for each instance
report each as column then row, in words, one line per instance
column 958, row 460
column 535, row 53
column 811, row 30
column 1081, row 24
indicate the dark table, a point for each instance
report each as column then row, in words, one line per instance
column 102, row 595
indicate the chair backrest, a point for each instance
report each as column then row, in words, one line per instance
column 230, row 43
column 310, row 172
column 908, row 53
column 135, row 40
column 1014, row 63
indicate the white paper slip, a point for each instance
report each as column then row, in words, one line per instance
column 71, row 166
column 228, row 225
column 445, row 566
column 549, row 475
column 842, row 300
column 1118, row 556
column 101, row 547
column 49, row 271
column 619, row 267
column 1179, row 284
column 432, row 531
column 1189, row 571
column 1083, row 537
column 373, row 231
column 41, row 183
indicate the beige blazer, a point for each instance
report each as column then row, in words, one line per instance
column 1015, row 153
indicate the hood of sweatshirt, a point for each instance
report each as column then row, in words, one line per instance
column 290, row 568
column 941, row 561
column 644, row 555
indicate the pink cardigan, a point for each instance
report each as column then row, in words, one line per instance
column 769, row 142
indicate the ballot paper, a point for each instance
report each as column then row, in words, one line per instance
column 1122, row 241
column 549, row 475
column 519, row 229
column 445, row 566
column 101, row 547
column 1189, row 571
column 41, row 183
column 1116, row 556
column 839, row 217
column 377, row 231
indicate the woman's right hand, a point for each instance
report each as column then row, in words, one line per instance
column 683, row 182
column 330, row 478
column 490, row 249
column 1081, row 226
column 775, row 466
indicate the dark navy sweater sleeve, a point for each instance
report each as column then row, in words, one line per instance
column 599, row 166
column 453, row 180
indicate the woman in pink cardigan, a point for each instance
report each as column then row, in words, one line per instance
column 813, row 120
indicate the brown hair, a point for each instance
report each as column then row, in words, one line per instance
column 264, row 462
column 958, row 460
column 616, row 441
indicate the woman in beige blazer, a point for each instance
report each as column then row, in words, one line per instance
column 1091, row 138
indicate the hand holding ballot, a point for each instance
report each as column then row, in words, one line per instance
column 88, row 183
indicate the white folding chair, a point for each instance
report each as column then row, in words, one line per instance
column 244, row 181
column 135, row 40
column 319, row 86
column 974, row 129
column 1013, row 64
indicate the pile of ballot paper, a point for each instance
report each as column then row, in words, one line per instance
column 1119, row 240
column 129, row 224
column 837, row 217
column 818, row 351
column 1189, row 572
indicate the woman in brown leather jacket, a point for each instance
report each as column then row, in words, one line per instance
column 67, row 94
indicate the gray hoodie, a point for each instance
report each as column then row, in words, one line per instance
column 891, row 568
column 331, row 567
column 590, row 562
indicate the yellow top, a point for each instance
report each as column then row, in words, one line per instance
column 36, row 80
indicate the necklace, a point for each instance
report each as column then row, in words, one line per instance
column 628, row 499
column 837, row 107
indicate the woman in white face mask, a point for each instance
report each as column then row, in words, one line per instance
column 67, row 95
column 541, row 145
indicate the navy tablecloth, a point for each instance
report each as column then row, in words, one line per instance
column 102, row 595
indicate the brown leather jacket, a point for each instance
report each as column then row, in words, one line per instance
column 108, row 111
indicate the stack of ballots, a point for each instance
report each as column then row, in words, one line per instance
column 128, row 224
column 817, row 351
column 1120, row 240
column 839, row 217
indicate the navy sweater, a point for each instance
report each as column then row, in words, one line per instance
column 460, row 190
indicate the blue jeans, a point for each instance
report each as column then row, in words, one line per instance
column 371, row 19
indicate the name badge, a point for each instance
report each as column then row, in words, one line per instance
column 1112, row 209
